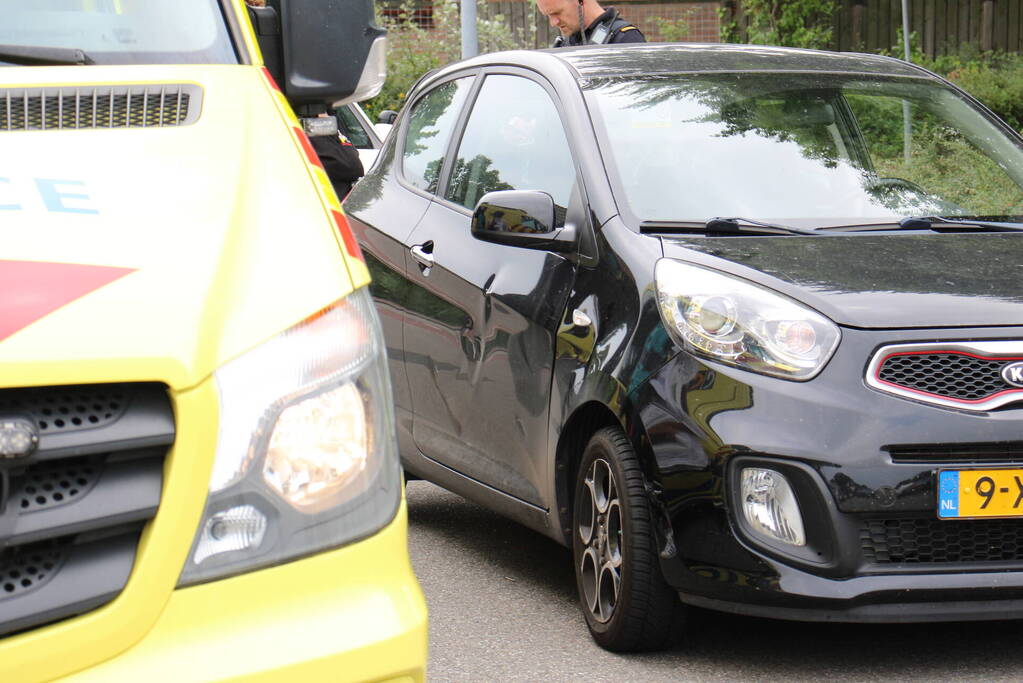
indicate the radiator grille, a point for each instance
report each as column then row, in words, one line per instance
column 99, row 107
column 914, row 541
column 48, row 485
column 72, row 512
column 28, row 567
column 952, row 375
column 1007, row 452
column 66, row 408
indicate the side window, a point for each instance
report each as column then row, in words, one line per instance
column 429, row 129
column 351, row 127
column 514, row 140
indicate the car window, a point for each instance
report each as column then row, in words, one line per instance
column 514, row 140
column 351, row 127
column 429, row 129
column 912, row 146
column 804, row 146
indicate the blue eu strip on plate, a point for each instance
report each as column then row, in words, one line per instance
column 948, row 494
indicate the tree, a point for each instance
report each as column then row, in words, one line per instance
column 413, row 50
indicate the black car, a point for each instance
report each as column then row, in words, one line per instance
column 742, row 325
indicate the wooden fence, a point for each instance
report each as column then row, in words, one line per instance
column 942, row 26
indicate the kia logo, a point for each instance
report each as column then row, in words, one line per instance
column 1013, row 374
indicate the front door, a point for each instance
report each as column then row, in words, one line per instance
column 482, row 318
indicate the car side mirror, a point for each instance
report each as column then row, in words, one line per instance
column 521, row 218
column 387, row 116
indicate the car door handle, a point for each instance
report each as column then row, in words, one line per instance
column 422, row 253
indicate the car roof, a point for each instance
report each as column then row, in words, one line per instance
column 646, row 59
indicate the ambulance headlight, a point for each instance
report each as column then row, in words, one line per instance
column 306, row 452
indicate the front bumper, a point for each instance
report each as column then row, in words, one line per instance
column 866, row 465
column 800, row 596
column 352, row 614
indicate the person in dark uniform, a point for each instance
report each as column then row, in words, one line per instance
column 340, row 160
column 584, row 22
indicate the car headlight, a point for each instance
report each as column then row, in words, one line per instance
column 306, row 452
column 742, row 324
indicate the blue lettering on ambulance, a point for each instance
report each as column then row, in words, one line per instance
column 55, row 198
column 9, row 207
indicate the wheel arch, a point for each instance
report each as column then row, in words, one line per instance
column 585, row 420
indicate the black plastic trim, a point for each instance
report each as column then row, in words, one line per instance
column 885, row 613
column 234, row 30
column 146, row 420
column 72, row 512
column 92, row 575
column 126, row 492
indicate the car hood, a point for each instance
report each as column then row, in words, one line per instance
column 879, row 281
column 158, row 253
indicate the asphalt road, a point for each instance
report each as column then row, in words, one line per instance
column 503, row 608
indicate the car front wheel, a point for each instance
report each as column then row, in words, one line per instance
column 626, row 602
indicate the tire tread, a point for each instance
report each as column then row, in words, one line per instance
column 654, row 616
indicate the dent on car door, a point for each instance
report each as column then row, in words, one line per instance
column 483, row 318
column 384, row 211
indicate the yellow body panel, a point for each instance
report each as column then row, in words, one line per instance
column 230, row 240
column 229, row 234
column 354, row 614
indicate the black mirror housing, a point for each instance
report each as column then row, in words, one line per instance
column 332, row 52
column 266, row 22
column 521, row 218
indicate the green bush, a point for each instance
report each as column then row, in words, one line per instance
column 413, row 50
column 997, row 81
column 791, row 23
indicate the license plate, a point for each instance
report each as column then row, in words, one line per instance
column 964, row 494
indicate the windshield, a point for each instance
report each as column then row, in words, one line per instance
column 823, row 148
column 121, row 31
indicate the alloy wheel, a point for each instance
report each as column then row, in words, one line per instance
column 599, row 525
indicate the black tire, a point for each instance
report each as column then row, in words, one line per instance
column 628, row 607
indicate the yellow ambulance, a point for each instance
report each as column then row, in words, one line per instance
column 198, row 469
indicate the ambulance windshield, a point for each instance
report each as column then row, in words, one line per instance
column 120, row 31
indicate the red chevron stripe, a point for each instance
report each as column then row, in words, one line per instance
column 30, row 290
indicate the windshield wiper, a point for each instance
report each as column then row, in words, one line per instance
column 40, row 55
column 936, row 223
column 724, row 226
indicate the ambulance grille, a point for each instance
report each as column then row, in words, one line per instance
column 150, row 106
column 72, row 511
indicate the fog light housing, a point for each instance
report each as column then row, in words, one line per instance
column 770, row 506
